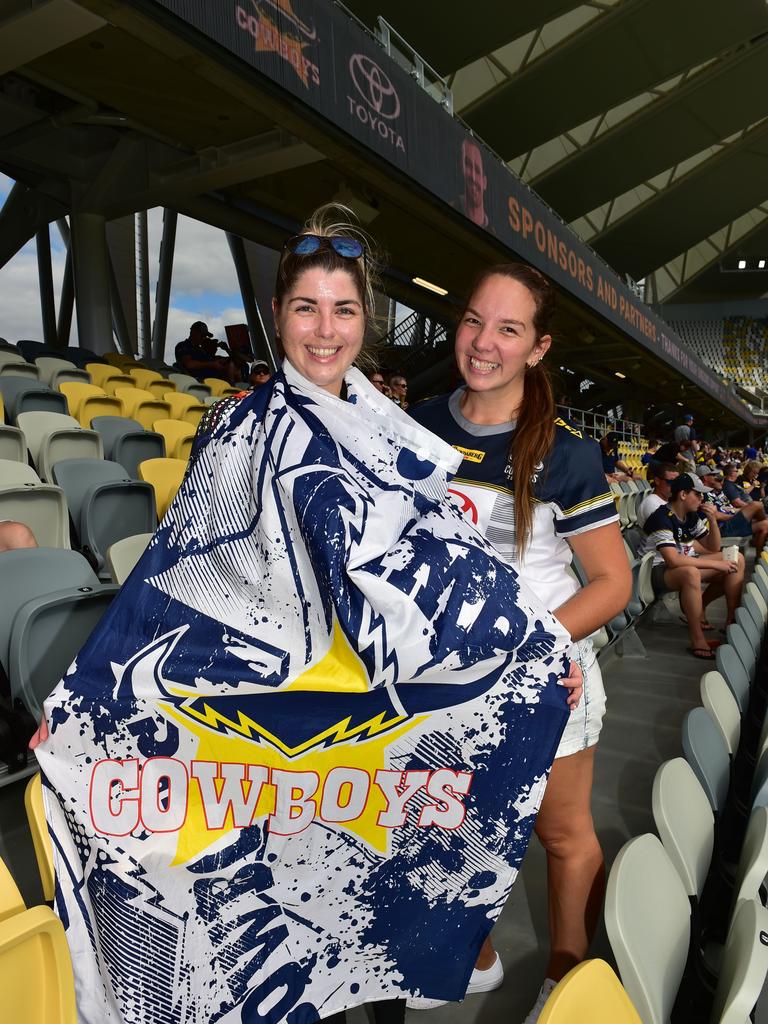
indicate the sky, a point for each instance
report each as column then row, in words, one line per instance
column 203, row 286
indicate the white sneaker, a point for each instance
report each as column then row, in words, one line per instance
column 480, row 981
column 544, row 993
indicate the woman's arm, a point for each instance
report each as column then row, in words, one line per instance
column 601, row 553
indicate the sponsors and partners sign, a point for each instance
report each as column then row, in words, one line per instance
column 321, row 55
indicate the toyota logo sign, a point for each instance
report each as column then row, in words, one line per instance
column 374, row 86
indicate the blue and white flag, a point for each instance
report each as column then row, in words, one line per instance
column 296, row 766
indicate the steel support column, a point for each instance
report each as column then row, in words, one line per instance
column 260, row 345
column 163, row 289
column 45, row 277
column 91, row 264
column 67, row 297
column 144, row 321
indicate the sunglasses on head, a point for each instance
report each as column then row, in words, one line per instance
column 307, row 245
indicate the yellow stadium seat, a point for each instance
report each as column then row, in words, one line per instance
column 119, row 380
column 160, row 388
column 41, row 841
column 589, row 994
column 179, row 402
column 178, row 437
column 220, row 388
column 165, row 475
column 114, row 358
column 143, row 376
column 98, row 405
column 76, row 391
column 193, row 414
column 36, row 977
column 142, row 406
column 11, row 901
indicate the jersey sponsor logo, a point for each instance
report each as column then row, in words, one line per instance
column 466, row 505
column 471, row 454
column 571, row 430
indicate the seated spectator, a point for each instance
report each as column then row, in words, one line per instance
column 750, row 520
column 196, row 355
column 15, row 535
column 376, row 377
column 749, row 481
column 670, row 533
column 736, row 494
column 398, row 387
column 650, row 452
column 260, row 373
column 615, row 470
column 660, row 476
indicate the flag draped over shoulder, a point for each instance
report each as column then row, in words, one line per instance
column 296, row 766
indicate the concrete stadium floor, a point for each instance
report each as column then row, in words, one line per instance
column 647, row 700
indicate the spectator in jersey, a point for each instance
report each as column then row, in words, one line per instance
column 650, row 452
column 196, row 355
column 750, row 452
column 734, row 522
column 475, row 183
column 670, row 533
column 661, row 476
column 260, row 373
column 614, row 468
column 398, row 387
column 736, row 494
column 539, row 491
column 15, row 535
column 685, row 430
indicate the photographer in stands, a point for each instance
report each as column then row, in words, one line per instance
column 670, row 533
column 196, row 355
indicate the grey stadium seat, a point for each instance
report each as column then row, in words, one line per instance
column 41, row 507
column 127, row 442
column 53, row 371
column 123, row 556
column 21, row 395
column 706, row 752
column 12, row 444
column 105, row 504
column 13, row 364
column 54, row 436
column 46, row 617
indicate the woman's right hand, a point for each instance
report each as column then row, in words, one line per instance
column 41, row 735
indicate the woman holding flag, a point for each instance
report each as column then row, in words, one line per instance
column 534, row 486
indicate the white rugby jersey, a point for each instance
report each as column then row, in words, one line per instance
column 571, row 493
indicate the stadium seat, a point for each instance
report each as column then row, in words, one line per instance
column 647, row 917
column 152, row 381
column 54, row 371
column 142, row 406
column 718, row 699
column 14, row 365
column 190, row 386
column 739, row 640
column 117, row 380
column 180, row 401
column 81, row 356
column 178, row 437
column 22, row 395
column 105, row 504
column 36, row 969
column 41, row 507
column 53, row 436
column 750, row 604
column 123, row 556
column 117, row 358
column 707, row 754
column 12, row 444
column 589, row 994
column 126, row 442
column 750, row 629
column 102, row 372
column 76, row 391
column 85, row 405
column 213, row 399
column 193, row 414
column 165, row 475
column 730, row 667
column 744, row 966
column 11, row 901
column 685, row 822
column 41, row 840
column 220, row 388
column 32, row 349
column 45, row 618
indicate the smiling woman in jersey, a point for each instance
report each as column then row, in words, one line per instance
column 534, row 486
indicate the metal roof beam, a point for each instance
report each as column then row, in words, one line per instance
column 722, row 98
column 624, row 54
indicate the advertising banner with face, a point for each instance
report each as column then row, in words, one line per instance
column 297, row 764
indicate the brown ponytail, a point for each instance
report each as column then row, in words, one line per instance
column 534, row 434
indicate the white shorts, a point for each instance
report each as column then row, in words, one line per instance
column 584, row 724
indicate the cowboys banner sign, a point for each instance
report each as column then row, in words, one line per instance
column 296, row 766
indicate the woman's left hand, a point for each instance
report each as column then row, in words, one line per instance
column 575, row 683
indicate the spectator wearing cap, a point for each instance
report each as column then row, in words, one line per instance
column 670, row 533
column 613, row 467
column 750, row 452
column 661, row 476
column 747, row 521
column 260, row 373
column 685, row 430
column 196, row 355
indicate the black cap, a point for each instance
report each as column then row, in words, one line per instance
column 202, row 327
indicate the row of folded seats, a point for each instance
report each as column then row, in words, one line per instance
column 684, row 910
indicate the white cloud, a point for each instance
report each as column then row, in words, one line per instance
column 202, row 261
column 20, row 315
